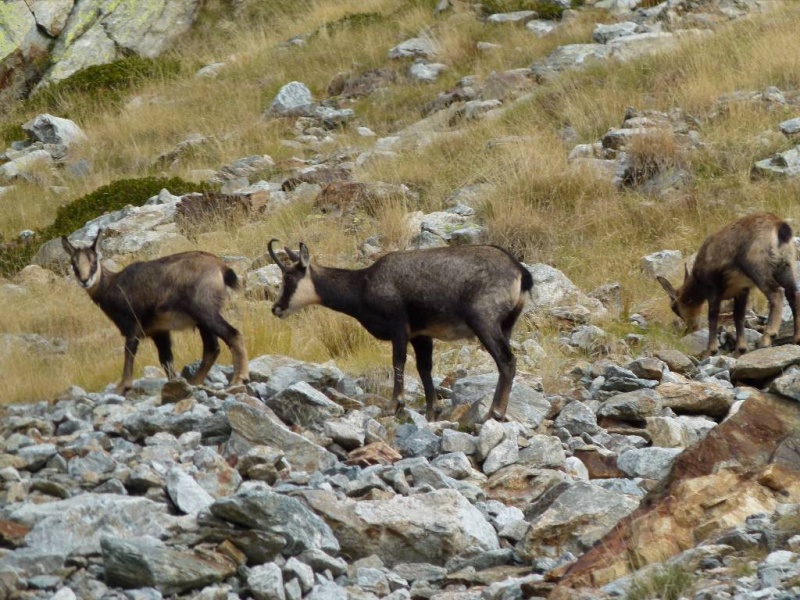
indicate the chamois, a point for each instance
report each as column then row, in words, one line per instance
column 152, row 298
column 415, row 296
column 755, row 251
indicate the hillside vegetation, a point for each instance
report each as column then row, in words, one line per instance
column 587, row 228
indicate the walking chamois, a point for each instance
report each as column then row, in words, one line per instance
column 755, row 251
column 415, row 296
column 152, row 298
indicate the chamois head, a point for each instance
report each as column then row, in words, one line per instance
column 297, row 290
column 85, row 261
column 689, row 313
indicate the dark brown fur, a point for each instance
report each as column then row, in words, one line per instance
column 755, row 251
column 152, row 298
column 416, row 296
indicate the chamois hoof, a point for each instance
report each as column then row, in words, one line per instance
column 739, row 351
column 493, row 414
column 765, row 341
column 121, row 389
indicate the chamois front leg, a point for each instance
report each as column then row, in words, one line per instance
column 131, row 346
column 739, row 309
column 163, row 342
column 713, row 324
column 423, row 349
column 399, row 352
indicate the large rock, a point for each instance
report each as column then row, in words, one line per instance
column 578, row 518
column 552, row 289
column 696, row 398
column 746, row 465
column 525, row 405
column 262, row 509
column 261, row 426
column 98, row 32
column 75, row 526
column 280, row 372
column 300, row 404
column 765, row 363
column 432, row 527
column 54, row 130
column 138, row 563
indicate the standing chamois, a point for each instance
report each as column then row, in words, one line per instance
column 755, row 251
column 416, row 296
column 152, row 298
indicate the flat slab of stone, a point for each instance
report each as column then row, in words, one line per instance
column 765, row 363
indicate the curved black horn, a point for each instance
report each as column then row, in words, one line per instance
column 293, row 256
column 274, row 256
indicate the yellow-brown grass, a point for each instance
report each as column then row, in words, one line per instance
column 537, row 205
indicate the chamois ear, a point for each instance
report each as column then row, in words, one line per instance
column 68, row 248
column 293, row 256
column 667, row 288
column 99, row 235
column 304, row 258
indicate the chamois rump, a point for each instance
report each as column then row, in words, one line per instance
column 415, row 296
column 754, row 252
column 153, row 298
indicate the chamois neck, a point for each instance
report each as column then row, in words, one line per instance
column 104, row 284
column 338, row 289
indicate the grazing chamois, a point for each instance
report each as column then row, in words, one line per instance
column 152, row 298
column 755, row 251
column 416, row 296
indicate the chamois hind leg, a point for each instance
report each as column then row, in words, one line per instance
column 423, row 350
column 775, row 299
column 131, row 346
column 787, row 281
column 235, row 341
column 210, row 354
column 493, row 338
column 739, row 309
column 163, row 342
column 399, row 354
column 771, row 289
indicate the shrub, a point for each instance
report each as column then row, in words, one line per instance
column 669, row 583
column 104, row 82
column 351, row 21
column 12, row 132
column 72, row 216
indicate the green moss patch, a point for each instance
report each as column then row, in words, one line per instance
column 76, row 214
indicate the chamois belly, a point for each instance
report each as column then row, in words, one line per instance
column 736, row 283
column 449, row 332
column 170, row 321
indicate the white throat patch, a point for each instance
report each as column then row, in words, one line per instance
column 304, row 295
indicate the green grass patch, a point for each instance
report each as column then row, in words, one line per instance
column 103, row 83
column 669, row 583
column 76, row 214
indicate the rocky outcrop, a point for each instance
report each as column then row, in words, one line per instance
column 75, row 35
column 746, row 465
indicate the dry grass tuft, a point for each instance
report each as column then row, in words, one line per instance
column 535, row 203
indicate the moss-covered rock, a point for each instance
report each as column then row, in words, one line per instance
column 72, row 216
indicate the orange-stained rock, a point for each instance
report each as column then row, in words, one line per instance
column 746, row 465
column 377, row 453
